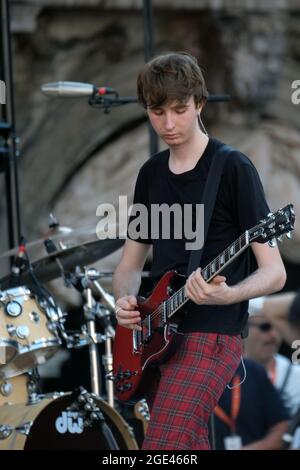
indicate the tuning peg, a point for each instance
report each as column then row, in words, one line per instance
column 289, row 235
column 280, row 238
column 272, row 243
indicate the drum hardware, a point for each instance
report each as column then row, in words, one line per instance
column 103, row 315
column 13, row 309
column 5, row 431
column 22, row 331
column 24, row 428
column 84, row 280
column 11, row 330
column 91, row 330
column 35, row 317
column 19, row 389
column 86, row 405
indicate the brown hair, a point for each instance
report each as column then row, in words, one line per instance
column 169, row 77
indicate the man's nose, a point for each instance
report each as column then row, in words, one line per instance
column 273, row 333
column 169, row 123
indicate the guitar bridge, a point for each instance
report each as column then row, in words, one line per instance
column 173, row 329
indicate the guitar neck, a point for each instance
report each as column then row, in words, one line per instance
column 177, row 300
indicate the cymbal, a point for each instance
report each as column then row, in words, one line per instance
column 46, row 269
column 64, row 234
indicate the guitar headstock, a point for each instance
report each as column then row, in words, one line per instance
column 274, row 226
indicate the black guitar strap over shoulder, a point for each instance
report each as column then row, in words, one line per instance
column 209, row 199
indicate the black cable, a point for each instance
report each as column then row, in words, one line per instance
column 42, row 291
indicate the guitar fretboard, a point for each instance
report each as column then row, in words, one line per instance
column 178, row 299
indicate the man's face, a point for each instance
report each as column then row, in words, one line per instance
column 175, row 122
column 263, row 340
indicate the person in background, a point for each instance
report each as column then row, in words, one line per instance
column 250, row 414
column 283, row 311
column 263, row 343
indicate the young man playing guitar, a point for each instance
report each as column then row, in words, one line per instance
column 171, row 87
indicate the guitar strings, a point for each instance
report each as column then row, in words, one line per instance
column 156, row 313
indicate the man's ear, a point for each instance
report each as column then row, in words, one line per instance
column 201, row 105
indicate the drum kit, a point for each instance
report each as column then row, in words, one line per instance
column 32, row 330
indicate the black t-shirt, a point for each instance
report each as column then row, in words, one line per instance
column 240, row 204
column 260, row 408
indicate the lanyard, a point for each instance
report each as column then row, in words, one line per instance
column 235, row 406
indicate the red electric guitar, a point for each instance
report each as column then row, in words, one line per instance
column 134, row 351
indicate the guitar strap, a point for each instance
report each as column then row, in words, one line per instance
column 209, row 199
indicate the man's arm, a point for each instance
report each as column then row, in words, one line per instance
column 273, row 439
column 127, row 281
column 269, row 277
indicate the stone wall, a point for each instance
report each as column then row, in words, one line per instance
column 74, row 157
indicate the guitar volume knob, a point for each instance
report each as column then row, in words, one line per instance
column 127, row 386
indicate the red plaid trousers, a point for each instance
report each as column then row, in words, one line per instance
column 189, row 388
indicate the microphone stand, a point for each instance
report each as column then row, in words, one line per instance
column 111, row 101
column 107, row 102
column 9, row 152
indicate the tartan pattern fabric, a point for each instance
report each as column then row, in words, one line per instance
column 191, row 383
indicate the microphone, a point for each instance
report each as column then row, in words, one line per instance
column 74, row 89
column 289, row 434
column 18, row 266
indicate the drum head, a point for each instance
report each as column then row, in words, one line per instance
column 56, row 427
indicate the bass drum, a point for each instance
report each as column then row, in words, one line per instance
column 53, row 424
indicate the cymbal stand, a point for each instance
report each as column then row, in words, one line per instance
column 107, row 359
column 93, row 310
column 109, row 333
column 91, row 329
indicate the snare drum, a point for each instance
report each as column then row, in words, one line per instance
column 29, row 330
column 50, row 424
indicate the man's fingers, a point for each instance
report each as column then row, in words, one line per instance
column 125, row 305
column 124, row 313
column 191, row 292
column 219, row 279
column 132, row 322
column 128, row 321
column 132, row 300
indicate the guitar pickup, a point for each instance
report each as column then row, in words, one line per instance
column 137, row 341
column 147, row 329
